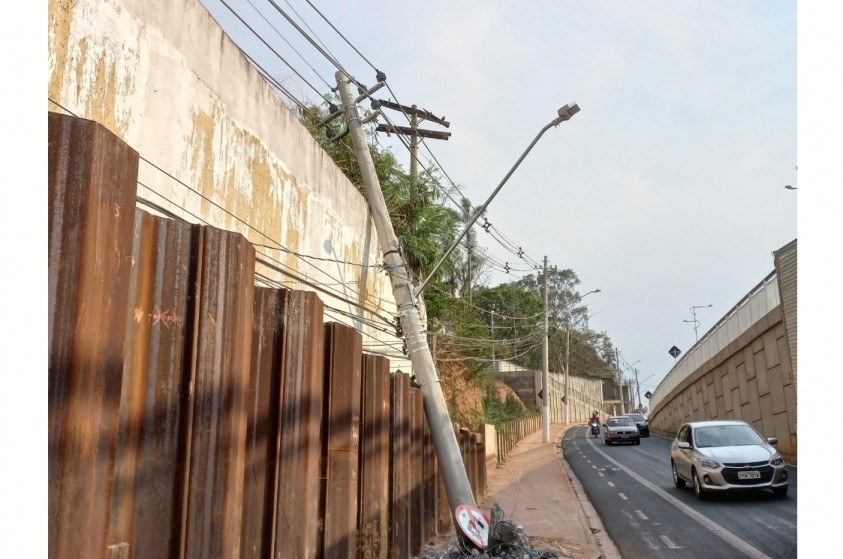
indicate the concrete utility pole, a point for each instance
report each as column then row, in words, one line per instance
column 638, row 390
column 567, row 368
column 545, row 386
column 620, row 379
column 454, row 475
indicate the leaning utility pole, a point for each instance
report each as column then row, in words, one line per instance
column 454, row 476
column 545, row 386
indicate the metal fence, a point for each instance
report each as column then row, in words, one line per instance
column 192, row 414
column 513, row 432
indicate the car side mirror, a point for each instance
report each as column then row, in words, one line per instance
column 684, row 444
column 773, row 440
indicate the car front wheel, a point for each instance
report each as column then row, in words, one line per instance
column 698, row 490
column 780, row 492
column 677, row 481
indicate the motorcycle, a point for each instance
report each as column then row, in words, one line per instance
column 595, row 428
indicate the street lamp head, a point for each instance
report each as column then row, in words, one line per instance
column 569, row 110
column 566, row 113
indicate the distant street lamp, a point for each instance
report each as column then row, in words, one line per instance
column 694, row 320
column 787, row 186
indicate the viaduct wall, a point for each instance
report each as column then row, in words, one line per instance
column 741, row 369
column 218, row 147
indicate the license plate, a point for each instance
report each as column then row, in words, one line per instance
column 624, row 436
column 752, row 474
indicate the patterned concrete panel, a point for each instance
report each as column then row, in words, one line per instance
column 768, row 427
column 749, row 360
column 771, row 349
column 787, row 438
column 777, row 390
column 740, row 373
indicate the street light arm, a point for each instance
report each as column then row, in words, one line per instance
column 564, row 113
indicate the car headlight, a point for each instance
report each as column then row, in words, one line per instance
column 777, row 461
column 709, row 464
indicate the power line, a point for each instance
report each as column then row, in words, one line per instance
column 344, row 39
column 256, row 34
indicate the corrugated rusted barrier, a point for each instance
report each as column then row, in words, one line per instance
column 91, row 191
column 343, row 349
column 400, row 437
column 373, row 527
column 263, row 427
column 145, row 509
column 430, row 481
column 219, row 369
column 297, row 523
column 192, row 414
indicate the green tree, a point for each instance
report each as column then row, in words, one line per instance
column 423, row 225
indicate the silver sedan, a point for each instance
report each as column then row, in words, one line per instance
column 723, row 455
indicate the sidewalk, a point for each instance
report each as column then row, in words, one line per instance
column 536, row 489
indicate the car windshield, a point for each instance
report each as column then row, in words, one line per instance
column 636, row 416
column 620, row 421
column 726, row 435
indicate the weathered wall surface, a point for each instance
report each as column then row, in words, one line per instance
column 750, row 378
column 218, row 146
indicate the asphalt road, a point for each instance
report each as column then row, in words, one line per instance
column 646, row 515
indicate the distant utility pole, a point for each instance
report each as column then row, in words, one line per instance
column 620, row 379
column 567, row 368
column 454, row 475
column 545, row 386
column 638, row 389
column 413, row 132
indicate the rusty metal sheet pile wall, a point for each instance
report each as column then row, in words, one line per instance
column 192, row 414
column 343, row 376
column 150, row 454
column 373, row 517
column 297, row 524
column 91, row 176
column 399, row 495
column 263, row 421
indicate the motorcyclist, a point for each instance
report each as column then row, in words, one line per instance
column 595, row 419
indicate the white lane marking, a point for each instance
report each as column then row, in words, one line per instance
column 669, row 543
column 707, row 523
column 622, row 496
column 611, row 484
column 641, row 515
column 600, row 474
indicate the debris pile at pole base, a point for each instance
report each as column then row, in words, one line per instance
column 507, row 540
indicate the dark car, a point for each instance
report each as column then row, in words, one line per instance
column 640, row 422
column 726, row 455
column 621, row 429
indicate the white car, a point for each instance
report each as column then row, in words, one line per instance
column 725, row 455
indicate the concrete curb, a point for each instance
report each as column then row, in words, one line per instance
column 591, row 519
